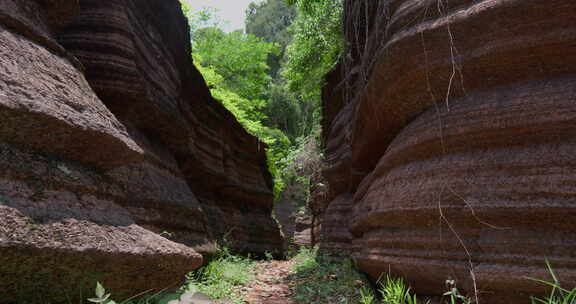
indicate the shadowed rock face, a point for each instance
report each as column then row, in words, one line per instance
column 290, row 212
column 109, row 138
column 453, row 135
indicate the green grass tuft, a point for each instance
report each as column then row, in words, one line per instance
column 224, row 276
column 558, row 294
column 395, row 291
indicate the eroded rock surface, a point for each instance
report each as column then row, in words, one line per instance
column 451, row 130
column 290, row 210
column 116, row 164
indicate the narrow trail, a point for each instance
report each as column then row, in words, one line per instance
column 273, row 283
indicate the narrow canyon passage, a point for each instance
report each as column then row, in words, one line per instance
column 434, row 142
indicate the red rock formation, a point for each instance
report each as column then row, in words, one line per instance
column 139, row 64
column 334, row 235
column 455, row 140
column 108, row 138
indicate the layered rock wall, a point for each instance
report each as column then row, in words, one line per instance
column 139, row 64
column 450, row 131
column 116, row 164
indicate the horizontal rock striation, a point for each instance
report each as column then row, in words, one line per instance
column 139, row 64
column 455, row 142
column 116, row 164
column 63, row 229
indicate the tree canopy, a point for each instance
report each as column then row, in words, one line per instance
column 270, row 20
column 240, row 59
column 316, row 46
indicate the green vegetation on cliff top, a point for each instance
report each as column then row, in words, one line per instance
column 270, row 76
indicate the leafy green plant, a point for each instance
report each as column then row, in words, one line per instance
column 558, row 294
column 268, row 255
column 395, row 291
column 291, row 250
column 221, row 278
column 366, row 295
column 101, row 296
column 454, row 294
column 305, row 260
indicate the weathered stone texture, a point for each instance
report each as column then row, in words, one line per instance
column 140, row 66
column 109, row 138
column 62, row 229
column 457, row 150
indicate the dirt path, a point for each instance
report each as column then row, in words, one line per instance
column 272, row 284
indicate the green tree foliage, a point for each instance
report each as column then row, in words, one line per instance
column 205, row 18
column 235, row 68
column 313, row 30
column 238, row 57
column 270, row 20
column 283, row 111
column 316, row 46
column 201, row 19
column 238, row 105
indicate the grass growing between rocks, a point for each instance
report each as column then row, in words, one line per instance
column 309, row 277
column 222, row 280
column 324, row 279
column 558, row 294
column 224, row 277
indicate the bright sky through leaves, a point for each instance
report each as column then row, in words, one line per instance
column 230, row 11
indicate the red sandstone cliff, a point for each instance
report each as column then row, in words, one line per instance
column 109, row 138
column 449, row 136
